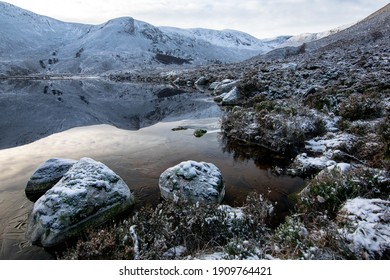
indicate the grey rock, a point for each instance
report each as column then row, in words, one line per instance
column 88, row 195
column 231, row 98
column 214, row 85
column 225, row 87
column 192, row 182
column 46, row 176
column 201, row 81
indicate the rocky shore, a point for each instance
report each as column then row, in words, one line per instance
column 325, row 109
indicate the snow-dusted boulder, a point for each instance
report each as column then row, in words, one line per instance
column 225, row 87
column 192, row 181
column 89, row 194
column 46, row 176
column 231, row 98
column 214, row 85
column 306, row 165
column 366, row 226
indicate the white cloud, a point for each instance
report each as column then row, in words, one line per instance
column 262, row 18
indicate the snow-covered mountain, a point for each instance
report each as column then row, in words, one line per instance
column 298, row 40
column 31, row 43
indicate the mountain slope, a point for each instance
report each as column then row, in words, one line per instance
column 37, row 44
column 367, row 31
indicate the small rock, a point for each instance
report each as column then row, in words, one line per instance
column 199, row 132
column 88, row 195
column 192, row 181
column 222, row 88
column 231, row 98
column 202, row 81
column 214, row 85
column 46, row 176
column 179, row 128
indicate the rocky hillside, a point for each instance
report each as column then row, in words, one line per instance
column 367, row 31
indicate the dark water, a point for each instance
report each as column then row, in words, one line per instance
column 138, row 156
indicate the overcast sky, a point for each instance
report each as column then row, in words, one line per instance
column 261, row 18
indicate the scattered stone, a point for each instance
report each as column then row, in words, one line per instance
column 88, row 195
column 46, row 176
column 179, row 128
column 192, row 182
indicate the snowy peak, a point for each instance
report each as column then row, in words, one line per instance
column 37, row 44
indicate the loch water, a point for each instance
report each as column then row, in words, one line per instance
column 126, row 126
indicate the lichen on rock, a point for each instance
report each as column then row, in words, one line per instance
column 192, row 181
column 89, row 194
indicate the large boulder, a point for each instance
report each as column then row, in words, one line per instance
column 46, row 176
column 88, row 195
column 192, row 182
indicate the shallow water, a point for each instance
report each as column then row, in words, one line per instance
column 139, row 157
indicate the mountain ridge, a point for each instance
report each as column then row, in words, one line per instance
column 36, row 44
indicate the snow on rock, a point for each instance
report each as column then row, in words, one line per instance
column 231, row 98
column 340, row 167
column 367, row 226
column 46, row 176
column 329, row 141
column 304, row 164
column 325, row 148
column 214, row 85
column 89, row 194
column 192, row 181
column 225, row 86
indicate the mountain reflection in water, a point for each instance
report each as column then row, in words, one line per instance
column 138, row 156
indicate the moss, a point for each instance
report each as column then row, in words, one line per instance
column 360, row 107
column 199, row 132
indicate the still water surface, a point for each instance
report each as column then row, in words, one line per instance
column 138, row 156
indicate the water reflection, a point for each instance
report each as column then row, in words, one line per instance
column 36, row 109
column 138, row 156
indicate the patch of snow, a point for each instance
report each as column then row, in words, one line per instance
column 303, row 162
column 341, row 167
column 329, row 141
column 370, row 225
column 134, row 237
column 175, row 252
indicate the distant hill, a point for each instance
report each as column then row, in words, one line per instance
column 373, row 28
column 31, row 43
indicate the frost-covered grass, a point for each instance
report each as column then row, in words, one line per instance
column 331, row 188
column 342, row 214
column 279, row 125
column 177, row 231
